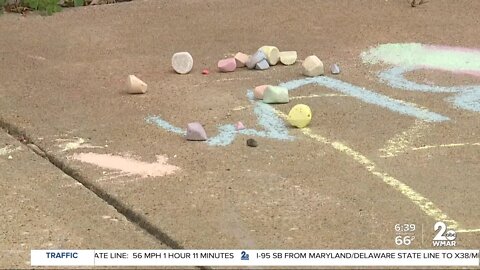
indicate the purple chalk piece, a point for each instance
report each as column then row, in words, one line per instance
column 195, row 132
column 335, row 69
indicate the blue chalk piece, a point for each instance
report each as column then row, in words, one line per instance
column 262, row 65
column 255, row 58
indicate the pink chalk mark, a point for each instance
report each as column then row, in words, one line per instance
column 451, row 49
column 128, row 165
column 475, row 73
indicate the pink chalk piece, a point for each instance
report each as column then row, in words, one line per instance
column 196, row 132
column 258, row 91
column 227, row 65
column 205, row 71
column 239, row 126
column 241, row 59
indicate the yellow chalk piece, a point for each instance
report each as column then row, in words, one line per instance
column 288, row 58
column 300, row 116
column 272, row 53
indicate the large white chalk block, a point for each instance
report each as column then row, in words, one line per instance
column 135, row 85
column 272, row 54
column 312, row 66
column 182, row 62
column 288, row 57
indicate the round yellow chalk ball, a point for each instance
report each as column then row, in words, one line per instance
column 300, row 116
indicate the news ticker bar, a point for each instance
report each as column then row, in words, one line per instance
column 255, row 258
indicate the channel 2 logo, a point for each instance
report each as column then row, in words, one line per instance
column 443, row 236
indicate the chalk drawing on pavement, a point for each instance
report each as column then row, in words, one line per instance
column 466, row 97
column 405, row 140
column 427, row 147
column 273, row 127
column 370, row 97
column 9, row 149
column 75, row 143
column 127, row 166
column 407, row 57
column 426, row 205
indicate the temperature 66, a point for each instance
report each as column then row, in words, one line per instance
column 404, row 240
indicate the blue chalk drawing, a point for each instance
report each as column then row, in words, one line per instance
column 370, row 97
column 394, row 78
column 468, row 99
column 165, row 125
column 404, row 58
column 407, row 57
column 467, row 96
column 273, row 127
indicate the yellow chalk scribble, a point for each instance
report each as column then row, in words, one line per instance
column 427, row 206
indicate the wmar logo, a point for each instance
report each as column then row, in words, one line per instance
column 245, row 256
column 443, row 237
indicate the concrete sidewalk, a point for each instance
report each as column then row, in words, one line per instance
column 331, row 187
column 43, row 208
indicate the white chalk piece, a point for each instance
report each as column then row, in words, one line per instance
column 182, row 62
column 312, row 66
column 262, row 65
column 272, row 54
column 288, row 57
column 195, row 132
column 135, row 85
column 335, row 69
column 241, row 59
column 259, row 90
column 254, row 59
column 275, row 94
column 227, row 65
